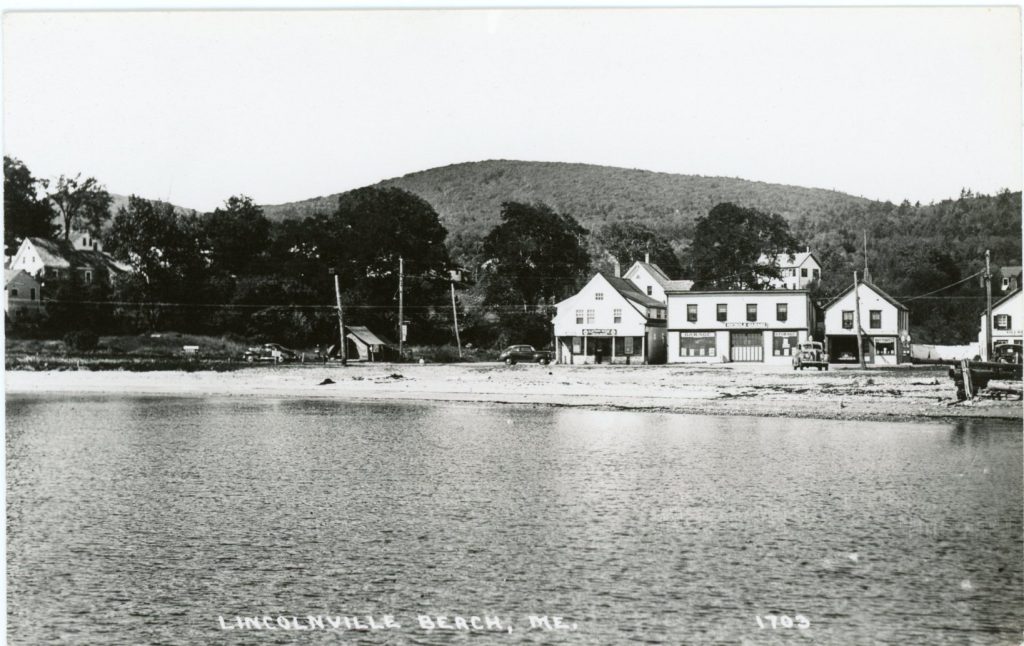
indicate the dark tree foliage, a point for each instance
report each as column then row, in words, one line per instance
column 631, row 241
column 535, row 254
column 83, row 205
column 25, row 215
column 728, row 242
column 237, row 237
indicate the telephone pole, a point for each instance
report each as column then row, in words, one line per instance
column 455, row 317
column 867, row 273
column 343, row 348
column 856, row 316
column 986, row 352
column 401, row 308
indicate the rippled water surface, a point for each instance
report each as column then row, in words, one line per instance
column 137, row 520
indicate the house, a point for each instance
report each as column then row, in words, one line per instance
column 798, row 271
column 1007, row 321
column 21, row 292
column 651, row 280
column 610, row 320
column 884, row 325
column 737, row 325
column 1009, row 278
column 46, row 259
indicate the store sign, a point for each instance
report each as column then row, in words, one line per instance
column 597, row 332
column 696, row 335
column 748, row 324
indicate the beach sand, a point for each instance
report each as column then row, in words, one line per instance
column 757, row 390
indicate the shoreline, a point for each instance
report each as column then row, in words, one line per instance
column 721, row 390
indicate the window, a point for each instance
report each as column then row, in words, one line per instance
column 617, row 316
column 722, row 311
column 14, row 292
column 876, row 319
column 847, row 319
column 752, row 312
column 783, row 343
column 781, row 311
column 95, row 245
column 577, row 345
column 599, row 296
column 803, row 272
column 579, row 317
column 650, row 290
column 697, row 346
column 32, row 294
column 590, row 316
column 691, row 313
column 1002, row 321
column 88, row 277
column 817, row 273
column 629, row 343
column 885, row 345
column 1006, row 283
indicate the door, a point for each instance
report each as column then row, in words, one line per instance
column 746, row 346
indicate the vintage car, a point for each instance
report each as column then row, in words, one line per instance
column 274, row 352
column 1008, row 353
column 810, row 354
column 513, row 354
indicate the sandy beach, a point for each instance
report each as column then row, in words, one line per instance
column 770, row 391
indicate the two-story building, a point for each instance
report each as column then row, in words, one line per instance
column 651, row 280
column 46, row 259
column 798, row 271
column 739, row 325
column 884, row 326
column 610, row 321
column 21, row 293
column 1007, row 320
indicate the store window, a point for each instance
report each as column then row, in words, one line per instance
column 847, row 319
column 697, row 346
column 628, row 349
column 1002, row 321
column 577, row 345
column 723, row 311
column 691, row 313
column 885, row 346
column 783, row 343
column 752, row 312
column 781, row 311
column 617, row 316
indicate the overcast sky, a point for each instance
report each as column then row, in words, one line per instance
column 195, row 107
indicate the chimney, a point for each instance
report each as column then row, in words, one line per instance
column 647, row 258
column 618, row 270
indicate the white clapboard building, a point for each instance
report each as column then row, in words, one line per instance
column 884, row 325
column 1007, row 320
column 740, row 325
column 798, row 271
column 610, row 320
column 651, row 280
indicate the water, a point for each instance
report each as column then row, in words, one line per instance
column 138, row 520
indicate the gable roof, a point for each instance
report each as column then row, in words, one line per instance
column 627, row 289
column 784, row 261
column 11, row 274
column 1010, row 271
column 61, row 254
column 364, row 334
column 873, row 287
column 656, row 272
column 1001, row 301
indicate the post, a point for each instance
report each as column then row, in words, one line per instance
column 856, row 316
column 986, row 352
column 401, row 312
column 343, row 348
column 455, row 318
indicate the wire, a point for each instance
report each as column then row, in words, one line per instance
column 911, row 298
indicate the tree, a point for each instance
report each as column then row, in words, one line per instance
column 25, row 215
column 533, row 254
column 728, row 242
column 82, row 205
column 633, row 241
column 238, row 237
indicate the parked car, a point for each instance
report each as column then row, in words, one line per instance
column 1008, row 353
column 810, row 354
column 513, row 354
column 274, row 352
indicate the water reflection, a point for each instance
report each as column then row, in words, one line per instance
column 136, row 520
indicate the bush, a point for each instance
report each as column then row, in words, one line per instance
column 81, row 340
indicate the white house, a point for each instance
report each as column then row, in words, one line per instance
column 797, row 272
column 1007, row 320
column 46, row 259
column 884, row 325
column 610, row 321
column 1009, row 278
column 738, row 325
column 21, row 292
column 651, row 280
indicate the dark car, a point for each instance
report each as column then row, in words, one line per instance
column 513, row 354
column 1008, row 353
column 810, row 354
column 273, row 352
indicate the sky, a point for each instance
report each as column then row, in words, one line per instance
column 193, row 107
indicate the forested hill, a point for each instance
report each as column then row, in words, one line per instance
column 468, row 196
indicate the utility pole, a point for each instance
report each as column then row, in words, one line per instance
column 867, row 273
column 401, row 308
column 986, row 352
column 343, row 348
column 856, row 316
column 455, row 317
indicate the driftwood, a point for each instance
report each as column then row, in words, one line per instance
column 972, row 377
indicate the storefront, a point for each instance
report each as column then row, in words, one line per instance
column 884, row 323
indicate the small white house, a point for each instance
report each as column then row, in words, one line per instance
column 651, row 280
column 1007, row 320
column 46, row 259
column 21, row 292
column 884, row 326
column 798, row 271
column 610, row 321
column 739, row 325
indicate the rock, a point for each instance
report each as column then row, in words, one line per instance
column 326, row 382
